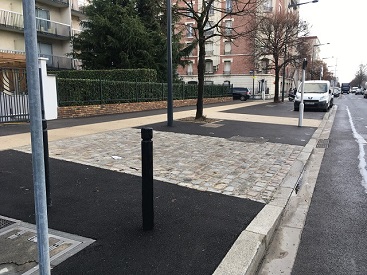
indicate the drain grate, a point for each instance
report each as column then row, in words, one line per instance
column 322, row 143
column 4, row 223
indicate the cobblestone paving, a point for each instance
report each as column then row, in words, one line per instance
column 242, row 169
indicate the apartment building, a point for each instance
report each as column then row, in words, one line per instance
column 56, row 22
column 232, row 61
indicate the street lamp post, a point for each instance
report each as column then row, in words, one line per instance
column 322, row 68
column 253, row 83
column 294, row 5
column 312, row 57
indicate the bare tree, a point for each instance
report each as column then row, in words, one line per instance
column 205, row 28
column 360, row 76
column 277, row 41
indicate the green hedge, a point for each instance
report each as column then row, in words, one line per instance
column 143, row 75
column 79, row 92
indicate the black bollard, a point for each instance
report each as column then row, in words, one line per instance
column 147, row 178
column 46, row 159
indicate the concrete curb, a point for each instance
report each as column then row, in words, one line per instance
column 247, row 252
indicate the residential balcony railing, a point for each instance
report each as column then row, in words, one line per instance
column 15, row 21
column 227, row 72
column 209, row 52
column 58, row 62
column 54, row 61
column 55, row 3
column 75, row 32
column 77, row 9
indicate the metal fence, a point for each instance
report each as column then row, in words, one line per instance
column 14, row 103
column 14, row 107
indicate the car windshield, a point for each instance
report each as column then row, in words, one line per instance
column 315, row 88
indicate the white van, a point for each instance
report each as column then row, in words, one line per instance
column 316, row 94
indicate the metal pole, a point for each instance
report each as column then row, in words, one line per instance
column 38, row 165
column 301, row 105
column 283, row 85
column 147, row 178
column 169, row 65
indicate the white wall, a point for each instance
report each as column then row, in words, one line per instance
column 49, row 91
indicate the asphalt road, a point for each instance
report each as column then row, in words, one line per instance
column 333, row 239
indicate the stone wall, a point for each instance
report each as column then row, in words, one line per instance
column 108, row 109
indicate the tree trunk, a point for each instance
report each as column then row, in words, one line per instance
column 276, row 92
column 201, row 71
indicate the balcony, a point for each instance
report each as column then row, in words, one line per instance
column 209, row 52
column 11, row 58
column 45, row 28
column 77, row 10
column 227, row 72
column 58, row 62
column 55, row 3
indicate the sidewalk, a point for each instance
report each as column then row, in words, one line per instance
column 220, row 187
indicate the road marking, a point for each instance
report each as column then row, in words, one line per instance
column 361, row 142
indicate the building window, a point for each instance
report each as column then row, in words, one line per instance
column 211, row 10
column 208, row 28
column 189, row 10
column 228, row 30
column 209, row 66
column 192, row 50
column 42, row 19
column 268, row 6
column 190, row 69
column 45, row 50
column 209, row 48
column 227, row 47
column 228, row 5
column 227, row 67
column 190, row 30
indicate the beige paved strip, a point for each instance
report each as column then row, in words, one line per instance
column 265, row 119
column 13, row 141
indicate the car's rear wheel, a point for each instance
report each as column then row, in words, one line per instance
column 243, row 98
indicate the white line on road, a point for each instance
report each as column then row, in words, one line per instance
column 361, row 142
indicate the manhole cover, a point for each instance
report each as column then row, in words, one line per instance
column 322, row 143
column 4, row 223
column 18, row 247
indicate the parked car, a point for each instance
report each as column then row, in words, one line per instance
column 354, row 89
column 241, row 93
column 316, row 94
column 336, row 91
column 365, row 93
column 359, row 91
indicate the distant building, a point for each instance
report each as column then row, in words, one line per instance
column 228, row 61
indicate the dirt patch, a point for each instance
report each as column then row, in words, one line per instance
column 200, row 120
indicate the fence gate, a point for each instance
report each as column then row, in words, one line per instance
column 14, row 102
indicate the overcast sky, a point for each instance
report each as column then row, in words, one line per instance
column 343, row 24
